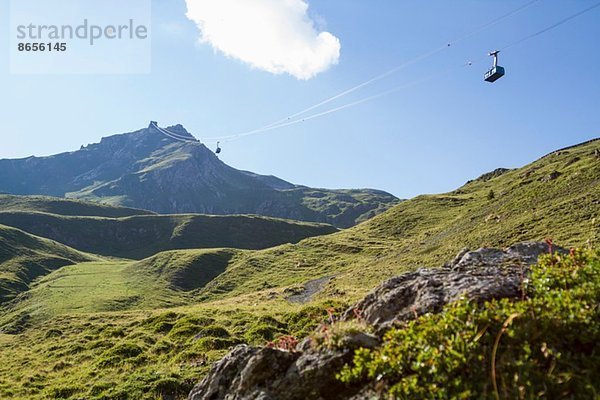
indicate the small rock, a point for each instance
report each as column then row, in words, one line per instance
column 217, row 383
column 551, row 176
column 361, row 339
column 456, row 259
column 572, row 161
column 266, row 373
column 493, row 174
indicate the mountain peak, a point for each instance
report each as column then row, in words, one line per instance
column 167, row 170
column 175, row 132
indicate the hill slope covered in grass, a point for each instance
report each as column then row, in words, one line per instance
column 148, row 170
column 142, row 236
column 24, row 257
column 165, row 280
column 555, row 197
column 68, row 207
column 132, row 352
column 186, row 270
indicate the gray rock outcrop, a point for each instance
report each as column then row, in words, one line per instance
column 479, row 275
column 266, row 373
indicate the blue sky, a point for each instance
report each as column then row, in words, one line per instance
column 429, row 137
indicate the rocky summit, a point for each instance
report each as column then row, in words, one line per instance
column 169, row 171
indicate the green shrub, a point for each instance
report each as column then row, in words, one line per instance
column 167, row 316
column 261, row 333
column 184, row 330
column 211, row 343
column 63, row 391
column 100, row 387
column 60, row 365
column 163, row 346
column 161, row 323
column 171, row 387
column 214, row 331
column 271, row 321
column 114, row 332
column 53, row 333
column 17, row 324
column 189, row 326
column 126, row 350
column 72, row 349
column 163, row 327
column 194, row 320
column 544, row 346
column 121, row 353
column 99, row 344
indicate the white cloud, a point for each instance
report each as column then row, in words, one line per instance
column 277, row 36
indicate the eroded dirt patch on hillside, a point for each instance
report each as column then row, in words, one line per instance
column 308, row 290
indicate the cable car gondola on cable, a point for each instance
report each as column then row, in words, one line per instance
column 496, row 72
column 218, row 150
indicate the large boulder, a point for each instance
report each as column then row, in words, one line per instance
column 266, row 373
column 479, row 275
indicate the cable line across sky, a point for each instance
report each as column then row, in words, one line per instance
column 296, row 118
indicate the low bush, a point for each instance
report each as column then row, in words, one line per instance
column 214, row 331
column 545, row 346
column 211, row 343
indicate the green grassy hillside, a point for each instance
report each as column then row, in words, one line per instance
column 138, row 237
column 165, row 280
column 55, row 205
column 139, row 354
column 110, row 345
column 555, row 197
column 91, row 287
column 185, row 270
column 25, row 257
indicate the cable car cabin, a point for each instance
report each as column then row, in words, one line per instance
column 497, row 71
column 494, row 74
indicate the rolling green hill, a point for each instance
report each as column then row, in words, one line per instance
column 142, row 236
column 167, row 279
column 555, row 197
column 91, row 341
column 25, row 257
column 59, row 206
column 185, row 270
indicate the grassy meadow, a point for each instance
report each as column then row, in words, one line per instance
column 100, row 327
